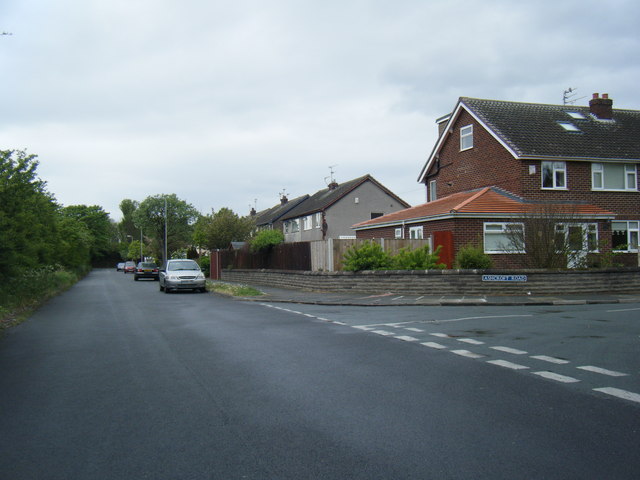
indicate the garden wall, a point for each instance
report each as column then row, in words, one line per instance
column 449, row 282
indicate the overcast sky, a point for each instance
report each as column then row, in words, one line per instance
column 227, row 103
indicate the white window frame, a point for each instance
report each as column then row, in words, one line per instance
column 398, row 233
column 589, row 231
column 558, row 172
column 632, row 228
column 500, row 229
column 466, row 137
column 295, row 225
column 433, row 194
column 598, row 177
column 416, row 233
column 319, row 220
column 307, row 222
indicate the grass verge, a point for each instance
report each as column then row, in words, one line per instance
column 21, row 296
column 233, row 290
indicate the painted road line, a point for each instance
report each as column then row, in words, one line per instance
column 616, row 392
column 407, row 338
column 556, row 377
column 514, row 351
column 471, row 341
column 433, row 345
column 555, row 360
column 602, row 371
column 339, row 323
column 504, row 363
column 414, row 330
column 419, row 298
column 383, row 332
column 441, row 335
column 366, row 328
column 467, row 353
column 309, row 315
column 397, row 298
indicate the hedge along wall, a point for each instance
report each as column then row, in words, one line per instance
column 449, row 282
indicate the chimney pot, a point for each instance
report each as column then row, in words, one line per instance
column 596, row 95
column 605, row 95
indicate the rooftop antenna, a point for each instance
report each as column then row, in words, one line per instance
column 568, row 96
column 332, row 180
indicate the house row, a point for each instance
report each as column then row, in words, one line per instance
column 330, row 212
column 497, row 165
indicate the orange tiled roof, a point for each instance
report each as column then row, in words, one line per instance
column 487, row 200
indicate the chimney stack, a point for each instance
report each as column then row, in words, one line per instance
column 283, row 200
column 602, row 108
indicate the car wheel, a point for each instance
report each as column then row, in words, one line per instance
column 166, row 290
column 135, row 278
column 203, row 290
column 161, row 288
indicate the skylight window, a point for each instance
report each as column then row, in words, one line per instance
column 569, row 127
column 577, row 115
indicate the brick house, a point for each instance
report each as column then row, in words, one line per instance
column 331, row 212
column 497, row 162
column 271, row 218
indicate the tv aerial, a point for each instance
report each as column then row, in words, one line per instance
column 568, row 96
column 331, row 172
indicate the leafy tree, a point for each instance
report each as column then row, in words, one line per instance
column 266, row 239
column 221, row 228
column 127, row 225
column 98, row 225
column 28, row 214
column 133, row 252
column 75, row 243
column 180, row 217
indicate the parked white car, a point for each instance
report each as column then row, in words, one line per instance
column 181, row 274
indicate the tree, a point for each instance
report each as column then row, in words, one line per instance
column 28, row 215
column 99, row 226
column 127, row 225
column 266, row 240
column 221, row 228
column 180, row 217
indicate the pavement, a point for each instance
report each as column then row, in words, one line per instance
column 285, row 295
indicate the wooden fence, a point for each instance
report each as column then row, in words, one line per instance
column 318, row 256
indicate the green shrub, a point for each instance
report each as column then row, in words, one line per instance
column 366, row 256
column 266, row 240
column 205, row 265
column 418, row 259
column 472, row 258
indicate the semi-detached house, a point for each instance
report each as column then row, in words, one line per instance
column 496, row 162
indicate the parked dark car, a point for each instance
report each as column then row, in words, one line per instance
column 120, row 267
column 129, row 267
column 182, row 274
column 146, row 270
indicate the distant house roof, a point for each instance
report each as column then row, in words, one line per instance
column 273, row 214
column 328, row 196
column 480, row 203
column 538, row 131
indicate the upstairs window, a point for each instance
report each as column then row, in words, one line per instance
column 614, row 176
column 466, row 137
column 307, row 223
column 554, row 175
column 432, row 191
column 318, row 220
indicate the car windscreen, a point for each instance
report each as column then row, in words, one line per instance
column 186, row 265
column 148, row 265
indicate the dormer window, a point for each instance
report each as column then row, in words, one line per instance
column 569, row 127
column 466, row 137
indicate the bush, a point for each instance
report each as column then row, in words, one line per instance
column 367, row 256
column 472, row 258
column 266, row 240
column 418, row 259
column 205, row 265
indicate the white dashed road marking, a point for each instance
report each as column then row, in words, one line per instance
column 407, row 338
column 414, row 329
column 441, row 335
column 504, row 363
column 544, row 358
column 514, row 351
column 470, row 341
column 467, row 353
column 433, row 345
column 616, row 392
column 557, row 377
column 602, row 371
column 383, row 332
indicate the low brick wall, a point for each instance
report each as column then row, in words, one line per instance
column 449, row 282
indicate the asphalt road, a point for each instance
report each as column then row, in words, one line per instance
column 115, row 380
